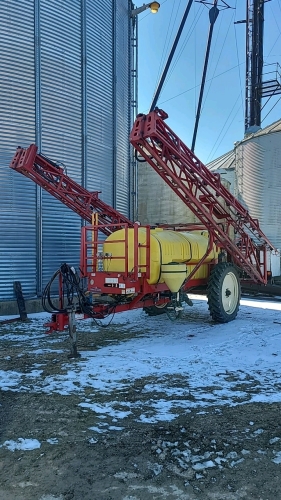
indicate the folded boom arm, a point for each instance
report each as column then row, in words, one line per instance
column 52, row 178
column 203, row 193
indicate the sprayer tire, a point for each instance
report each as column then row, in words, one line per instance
column 224, row 292
column 155, row 310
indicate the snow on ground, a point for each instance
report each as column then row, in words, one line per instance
column 189, row 363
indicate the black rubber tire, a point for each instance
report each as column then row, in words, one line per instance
column 224, row 280
column 155, row 310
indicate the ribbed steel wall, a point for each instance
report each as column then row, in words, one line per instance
column 17, row 127
column 66, row 85
column 158, row 203
column 258, row 172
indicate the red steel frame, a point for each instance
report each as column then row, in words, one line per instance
column 52, row 178
column 135, row 279
column 200, row 190
column 131, row 285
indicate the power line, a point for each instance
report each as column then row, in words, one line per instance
column 222, row 47
column 186, row 40
column 277, row 28
column 222, row 129
column 271, row 109
column 196, row 86
column 165, row 46
column 227, row 130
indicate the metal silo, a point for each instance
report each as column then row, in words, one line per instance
column 158, row 203
column 258, row 177
column 66, row 84
column 254, row 170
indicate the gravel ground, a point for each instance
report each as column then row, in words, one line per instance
column 135, row 439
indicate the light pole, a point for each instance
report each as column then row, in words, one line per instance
column 153, row 6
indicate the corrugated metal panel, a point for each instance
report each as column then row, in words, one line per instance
column 225, row 161
column 270, row 129
column 66, row 104
column 60, row 30
column 258, row 169
column 157, row 202
column 122, row 106
column 99, row 83
column 17, row 112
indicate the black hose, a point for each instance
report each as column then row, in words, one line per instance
column 71, row 287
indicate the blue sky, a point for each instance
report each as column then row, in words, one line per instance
column 222, row 113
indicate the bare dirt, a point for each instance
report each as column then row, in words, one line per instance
column 221, row 453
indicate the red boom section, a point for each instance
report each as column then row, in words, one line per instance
column 203, row 193
column 52, row 178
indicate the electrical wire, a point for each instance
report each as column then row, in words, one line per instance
column 222, row 47
column 184, row 43
column 274, row 17
column 192, row 88
column 271, row 109
column 164, row 49
column 227, row 129
column 214, row 148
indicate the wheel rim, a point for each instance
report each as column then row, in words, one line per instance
column 161, row 306
column 230, row 293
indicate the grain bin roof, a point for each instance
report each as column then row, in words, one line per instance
column 225, row 161
column 270, row 129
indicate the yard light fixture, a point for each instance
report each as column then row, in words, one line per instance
column 153, row 6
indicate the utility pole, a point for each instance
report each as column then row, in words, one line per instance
column 254, row 64
column 256, row 86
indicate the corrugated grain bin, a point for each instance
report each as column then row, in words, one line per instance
column 66, row 85
column 254, row 170
column 157, row 202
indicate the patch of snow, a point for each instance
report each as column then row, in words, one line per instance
column 21, row 444
column 236, row 462
column 107, row 408
column 277, row 459
column 203, row 465
column 191, row 363
column 52, row 440
column 274, row 440
column 96, row 429
column 257, row 432
column 156, row 468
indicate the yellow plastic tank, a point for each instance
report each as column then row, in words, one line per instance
column 172, row 254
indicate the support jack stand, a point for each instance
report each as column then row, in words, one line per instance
column 72, row 333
